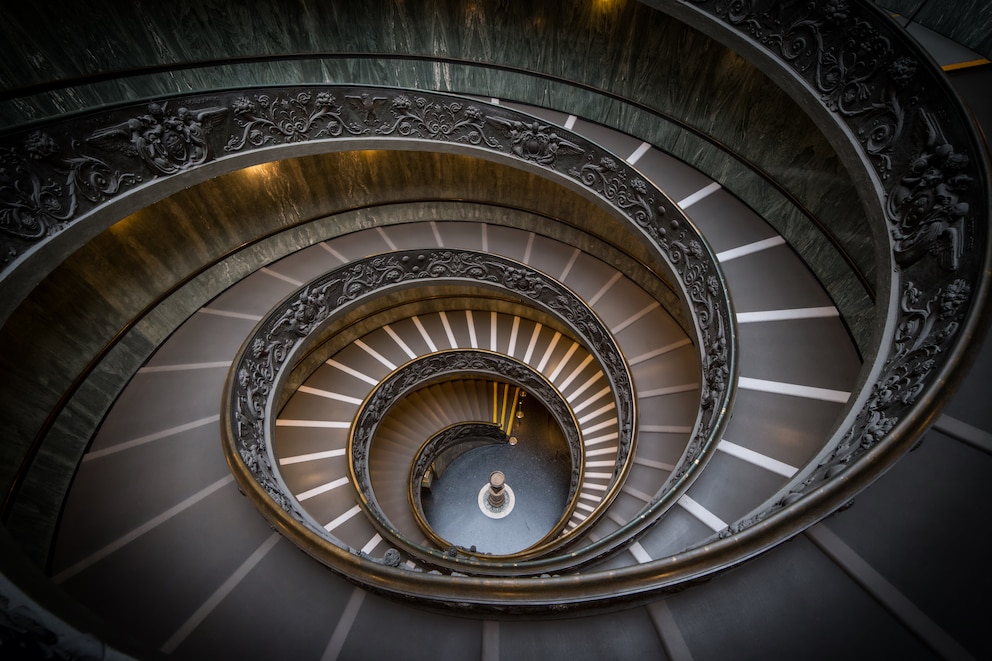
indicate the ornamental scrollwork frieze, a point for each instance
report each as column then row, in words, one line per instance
column 696, row 269
column 434, row 119
column 534, row 141
column 927, row 329
column 927, row 207
column 119, row 147
column 924, row 153
column 41, row 194
column 44, row 185
column 286, row 328
column 265, row 120
column 699, row 276
column 893, row 106
column 620, row 186
column 704, row 289
column 850, row 64
column 166, row 142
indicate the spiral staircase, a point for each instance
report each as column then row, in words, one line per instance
column 246, row 318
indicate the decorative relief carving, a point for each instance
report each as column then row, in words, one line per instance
column 468, row 434
column 927, row 328
column 926, row 207
column 446, row 121
column 705, row 291
column 368, row 105
column 880, row 93
column 42, row 188
column 392, row 558
column 919, row 145
column 311, row 307
column 616, row 184
column 533, row 141
column 265, row 119
column 255, row 377
column 850, row 64
column 925, row 332
column 854, row 69
column 259, row 366
column 167, row 143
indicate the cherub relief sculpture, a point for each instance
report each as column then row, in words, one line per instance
column 167, row 143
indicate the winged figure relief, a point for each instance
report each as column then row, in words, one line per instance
column 926, row 206
column 534, row 141
column 369, row 105
column 167, row 142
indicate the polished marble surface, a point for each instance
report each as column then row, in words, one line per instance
column 952, row 31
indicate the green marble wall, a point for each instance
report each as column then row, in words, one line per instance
column 968, row 22
column 631, row 68
column 620, row 63
column 232, row 225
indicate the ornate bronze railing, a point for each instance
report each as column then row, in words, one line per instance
column 924, row 177
column 908, row 143
column 269, row 354
column 923, row 172
column 461, row 363
column 440, row 451
column 67, row 181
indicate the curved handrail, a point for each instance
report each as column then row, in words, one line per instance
column 129, row 150
column 116, row 160
column 253, row 385
column 933, row 303
column 921, row 164
column 424, row 371
column 300, row 58
column 452, row 441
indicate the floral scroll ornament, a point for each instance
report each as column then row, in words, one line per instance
column 168, row 143
column 434, row 120
column 42, row 188
column 309, row 310
column 702, row 288
column 255, row 378
column 266, row 120
column 849, row 63
column 630, row 195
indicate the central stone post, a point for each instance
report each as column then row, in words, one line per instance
column 497, row 496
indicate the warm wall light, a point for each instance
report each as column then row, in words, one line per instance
column 260, row 171
column 603, row 6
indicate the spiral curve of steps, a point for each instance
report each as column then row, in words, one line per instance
column 157, row 540
column 791, row 390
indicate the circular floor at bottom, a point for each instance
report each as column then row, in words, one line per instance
column 539, row 479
